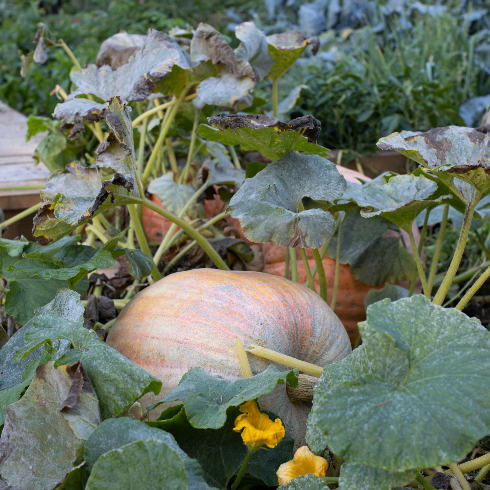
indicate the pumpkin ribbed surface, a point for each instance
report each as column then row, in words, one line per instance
column 191, row 319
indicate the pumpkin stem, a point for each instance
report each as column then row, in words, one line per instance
column 243, row 359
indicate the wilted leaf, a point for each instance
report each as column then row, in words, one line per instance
column 257, row 132
column 268, row 204
column 204, row 395
column 116, row 380
column 286, row 48
column 139, row 465
column 221, row 452
column 173, row 196
column 79, row 109
column 208, row 45
column 395, row 386
column 115, row 433
column 400, row 199
column 305, row 482
column 460, row 153
column 116, row 50
column 44, row 39
column 254, row 49
column 45, row 431
column 390, row 291
column 363, row 477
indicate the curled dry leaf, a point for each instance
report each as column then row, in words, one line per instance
column 51, row 423
column 116, row 50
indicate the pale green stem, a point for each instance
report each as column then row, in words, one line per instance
column 459, row 475
column 141, row 156
column 130, row 242
column 171, row 156
column 321, row 273
column 437, row 251
column 70, row 54
column 294, row 264
column 337, row 266
column 311, row 283
column 325, row 247
column 159, row 108
column 22, row 187
column 19, row 216
column 192, row 232
column 424, row 482
column 287, row 273
column 482, row 473
column 458, row 254
column 234, row 156
column 421, row 243
column 472, row 291
column 185, row 174
column 275, row 99
column 419, row 264
column 140, row 235
column 102, row 220
column 165, row 242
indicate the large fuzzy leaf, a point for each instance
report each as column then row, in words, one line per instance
column 115, row 433
column 221, row 452
column 453, row 153
column 204, row 395
column 265, row 134
column 404, row 388
column 254, row 49
column 399, row 199
column 305, row 482
column 117, row 381
column 363, row 477
column 286, row 48
column 45, row 431
column 268, row 204
column 173, row 196
column 133, row 81
column 373, row 259
column 139, row 465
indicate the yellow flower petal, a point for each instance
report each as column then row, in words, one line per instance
column 258, row 427
column 303, row 463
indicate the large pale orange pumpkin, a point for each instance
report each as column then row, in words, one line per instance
column 191, row 319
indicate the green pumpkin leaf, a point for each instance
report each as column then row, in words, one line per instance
column 139, row 465
column 115, row 433
column 400, row 199
column 49, row 424
column 221, row 452
column 395, row 386
column 116, row 380
column 267, row 205
column 262, row 133
column 173, row 196
column 140, row 264
column 286, row 48
column 74, row 480
column 305, row 482
column 221, row 175
column 390, row 291
column 133, row 81
column 208, row 398
column 363, row 477
column 373, row 259
column 453, row 153
column 254, row 49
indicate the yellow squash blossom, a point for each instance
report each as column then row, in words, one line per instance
column 257, row 427
column 303, row 463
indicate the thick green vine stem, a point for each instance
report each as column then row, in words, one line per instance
column 287, row 274
column 337, row 266
column 242, row 470
column 437, row 251
column 321, row 274
column 275, row 99
column 19, row 216
column 458, row 254
column 306, row 265
column 294, row 264
column 185, row 173
column 158, row 108
column 419, row 264
column 192, row 232
column 482, row 473
column 472, row 291
column 459, row 475
column 421, row 243
column 424, row 482
column 140, row 235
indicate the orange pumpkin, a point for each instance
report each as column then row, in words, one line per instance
column 191, row 319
